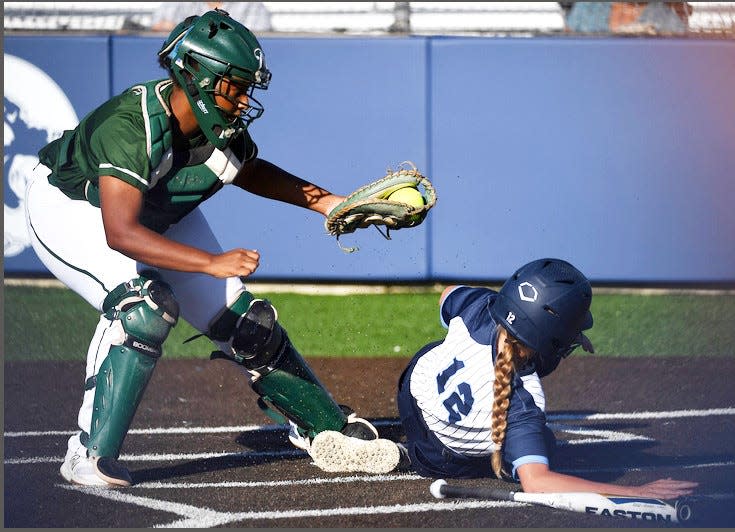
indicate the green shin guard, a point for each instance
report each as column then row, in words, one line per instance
column 121, row 381
column 144, row 310
column 280, row 376
column 294, row 391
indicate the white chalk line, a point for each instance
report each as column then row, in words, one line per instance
column 593, row 436
column 644, row 415
column 167, row 430
column 278, row 483
column 170, row 457
column 702, row 465
column 194, row 517
column 407, row 476
column 253, row 428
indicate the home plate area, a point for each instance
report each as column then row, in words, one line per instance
column 203, row 455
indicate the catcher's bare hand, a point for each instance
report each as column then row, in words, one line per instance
column 234, row 263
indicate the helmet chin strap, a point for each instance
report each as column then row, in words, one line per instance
column 182, row 117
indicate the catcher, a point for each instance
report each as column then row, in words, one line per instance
column 113, row 210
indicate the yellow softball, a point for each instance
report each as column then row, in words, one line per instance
column 408, row 194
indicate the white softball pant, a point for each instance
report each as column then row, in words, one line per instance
column 68, row 237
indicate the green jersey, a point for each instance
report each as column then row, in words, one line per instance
column 129, row 137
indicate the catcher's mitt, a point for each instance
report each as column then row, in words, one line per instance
column 368, row 205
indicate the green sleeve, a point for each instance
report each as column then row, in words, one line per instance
column 119, row 147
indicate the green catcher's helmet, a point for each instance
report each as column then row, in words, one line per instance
column 202, row 50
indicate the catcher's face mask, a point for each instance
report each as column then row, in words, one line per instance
column 215, row 57
column 234, row 98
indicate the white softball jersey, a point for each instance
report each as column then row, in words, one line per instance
column 453, row 385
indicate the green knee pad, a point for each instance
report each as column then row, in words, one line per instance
column 279, row 374
column 145, row 310
column 121, row 381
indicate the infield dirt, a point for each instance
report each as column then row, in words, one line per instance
column 225, row 477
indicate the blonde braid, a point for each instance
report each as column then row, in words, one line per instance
column 510, row 351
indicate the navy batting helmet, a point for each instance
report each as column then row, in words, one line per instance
column 545, row 304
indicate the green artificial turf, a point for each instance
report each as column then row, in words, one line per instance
column 53, row 323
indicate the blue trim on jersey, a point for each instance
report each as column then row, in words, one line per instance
column 444, row 323
column 527, row 435
column 471, row 304
column 528, row 459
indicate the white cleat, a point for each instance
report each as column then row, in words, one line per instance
column 78, row 469
column 334, row 452
column 296, row 437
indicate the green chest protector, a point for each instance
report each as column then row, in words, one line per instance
column 181, row 180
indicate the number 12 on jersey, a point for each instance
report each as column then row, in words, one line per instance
column 459, row 403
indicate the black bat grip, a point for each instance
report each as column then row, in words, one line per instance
column 440, row 489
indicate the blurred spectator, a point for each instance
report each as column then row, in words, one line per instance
column 588, row 17
column 628, row 17
column 253, row 15
column 653, row 17
column 566, row 7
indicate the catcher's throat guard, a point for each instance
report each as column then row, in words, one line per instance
column 369, row 205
